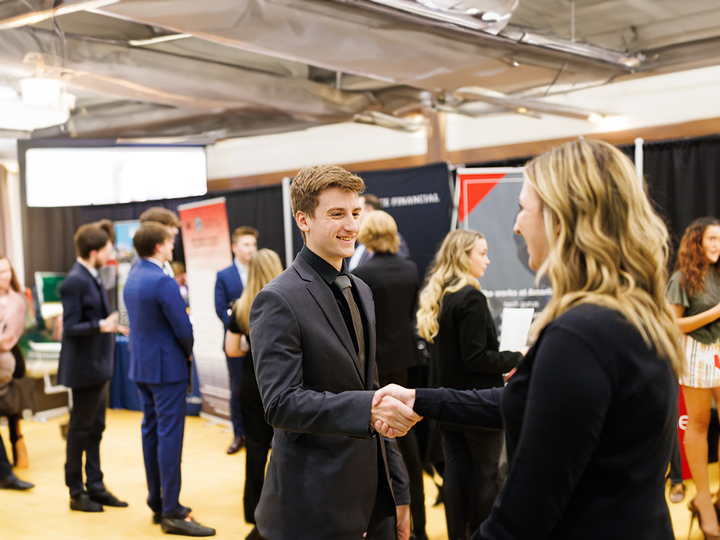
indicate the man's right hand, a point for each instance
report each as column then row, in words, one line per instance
column 109, row 324
column 391, row 417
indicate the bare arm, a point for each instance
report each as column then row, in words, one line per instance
column 690, row 324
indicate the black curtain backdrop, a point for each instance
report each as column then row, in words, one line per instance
column 683, row 178
column 50, row 230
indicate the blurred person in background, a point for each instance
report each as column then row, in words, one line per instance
column 87, row 359
column 454, row 317
column 369, row 203
column 264, row 266
column 12, row 366
column 694, row 292
column 166, row 218
column 395, row 283
column 229, row 286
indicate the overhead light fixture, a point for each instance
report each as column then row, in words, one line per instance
column 69, row 6
column 159, row 39
column 521, row 110
column 44, row 103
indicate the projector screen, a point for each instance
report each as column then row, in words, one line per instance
column 89, row 176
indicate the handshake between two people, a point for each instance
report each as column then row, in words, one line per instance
column 392, row 412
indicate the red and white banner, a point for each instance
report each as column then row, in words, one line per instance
column 206, row 241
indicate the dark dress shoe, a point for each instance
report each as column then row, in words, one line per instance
column 255, row 535
column 237, row 444
column 13, row 482
column 185, row 527
column 184, row 510
column 106, row 498
column 82, row 503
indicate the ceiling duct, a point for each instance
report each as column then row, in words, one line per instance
column 16, row 14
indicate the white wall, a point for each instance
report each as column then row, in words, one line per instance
column 338, row 143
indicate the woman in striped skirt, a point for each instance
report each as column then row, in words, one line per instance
column 694, row 291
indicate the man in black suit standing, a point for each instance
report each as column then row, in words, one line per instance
column 330, row 476
column 86, row 365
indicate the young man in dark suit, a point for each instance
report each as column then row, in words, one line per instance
column 229, row 286
column 162, row 341
column 330, row 476
column 86, row 365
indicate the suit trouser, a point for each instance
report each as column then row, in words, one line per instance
column 258, row 438
column 470, row 479
column 87, row 424
column 235, row 370
column 163, row 428
column 5, row 467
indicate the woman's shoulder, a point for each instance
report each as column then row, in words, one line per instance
column 592, row 320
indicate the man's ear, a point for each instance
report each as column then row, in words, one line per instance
column 302, row 221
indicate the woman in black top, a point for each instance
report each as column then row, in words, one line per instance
column 263, row 267
column 591, row 413
column 454, row 317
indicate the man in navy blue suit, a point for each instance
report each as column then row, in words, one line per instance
column 228, row 288
column 162, row 342
column 86, row 365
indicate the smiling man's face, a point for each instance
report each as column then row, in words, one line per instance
column 331, row 233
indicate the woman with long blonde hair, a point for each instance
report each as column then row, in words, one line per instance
column 694, row 292
column 591, row 413
column 264, row 266
column 454, row 317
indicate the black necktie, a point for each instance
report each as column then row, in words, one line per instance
column 342, row 283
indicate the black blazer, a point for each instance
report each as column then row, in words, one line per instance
column 394, row 283
column 465, row 351
column 87, row 356
column 326, row 467
column 590, row 417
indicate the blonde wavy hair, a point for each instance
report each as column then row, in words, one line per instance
column 450, row 272
column 264, row 266
column 378, row 233
column 607, row 246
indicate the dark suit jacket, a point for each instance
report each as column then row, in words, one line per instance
column 394, row 283
column 162, row 337
column 87, row 355
column 326, row 467
column 590, row 419
column 465, row 351
column 228, row 288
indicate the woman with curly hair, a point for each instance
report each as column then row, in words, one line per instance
column 694, row 291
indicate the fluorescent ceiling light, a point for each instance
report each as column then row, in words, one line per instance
column 159, row 39
column 38, row 16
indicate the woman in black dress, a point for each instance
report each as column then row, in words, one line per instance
column 454, row 317
column 591, row 413
column 263, row 267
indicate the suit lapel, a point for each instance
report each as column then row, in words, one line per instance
column 322, row 294
column 237, row 278
column 101, row 289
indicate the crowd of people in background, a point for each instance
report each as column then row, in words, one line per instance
column 322, row 356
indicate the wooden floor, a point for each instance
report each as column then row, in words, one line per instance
column 212, row 486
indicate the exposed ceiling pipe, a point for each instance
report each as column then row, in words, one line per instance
column 17, row 14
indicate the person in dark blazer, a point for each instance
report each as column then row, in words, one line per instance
column 162, row 341
column 591, row 413
column 394, row 282
column 229, row 286
column 87, row 358
column 330, row 477
column 455, row 319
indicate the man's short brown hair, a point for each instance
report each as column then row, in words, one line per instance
column 149, row 235
column 371, row 200
column 378, row 233
column 243, row 231
column 160, row 215
column 90, row 237
column 311, row 181
column 108, row 227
